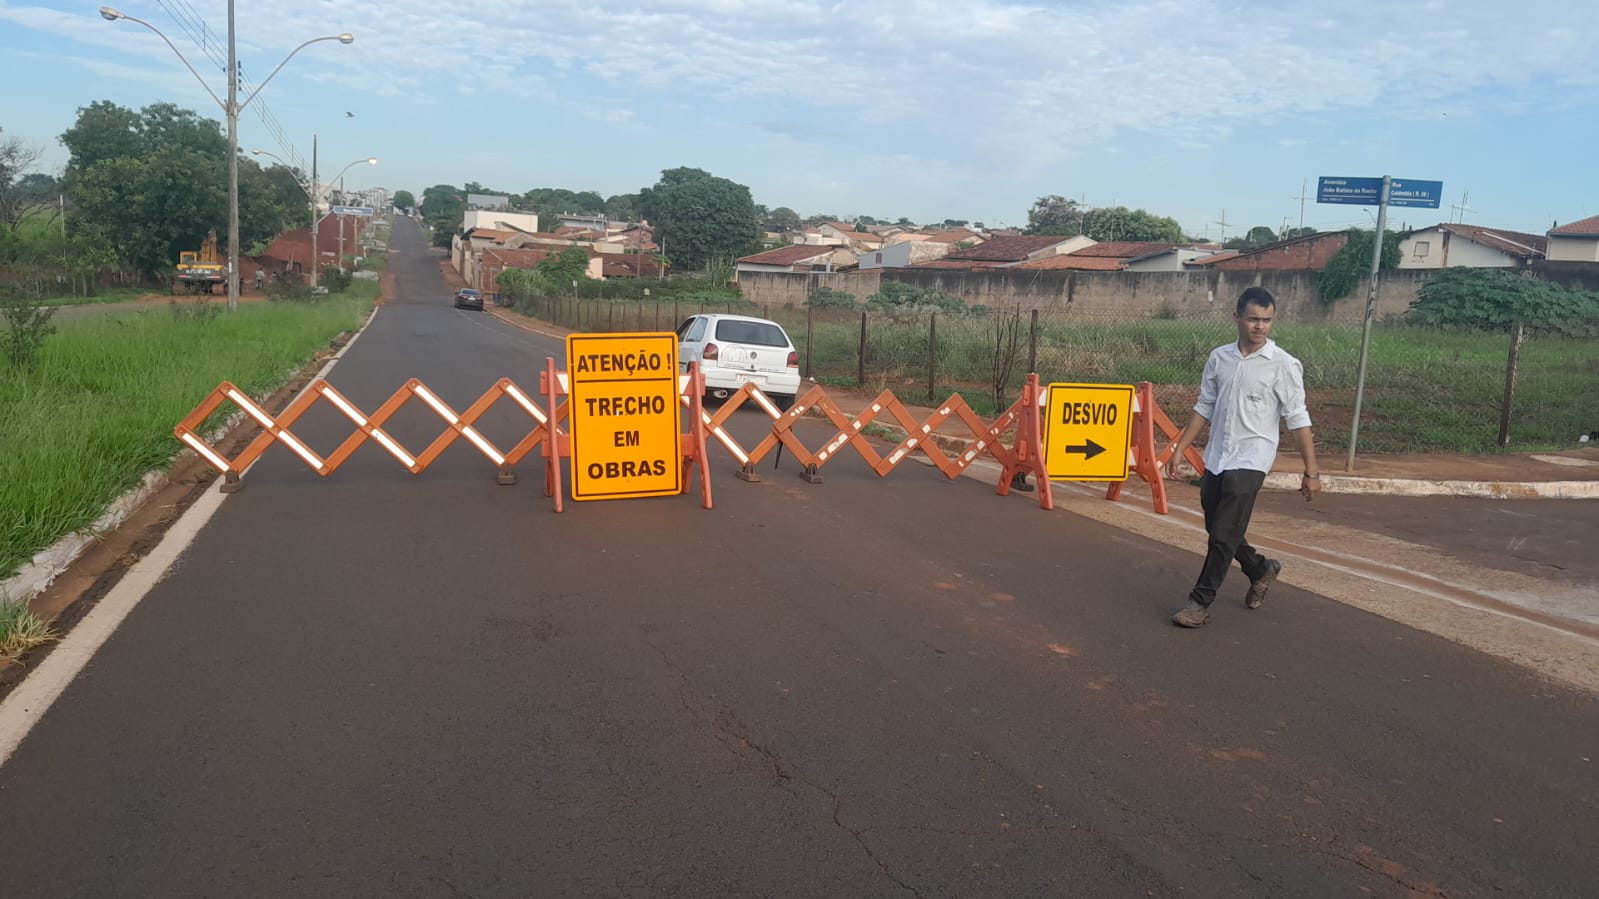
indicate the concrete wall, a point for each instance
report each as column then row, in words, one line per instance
column 1105, row 295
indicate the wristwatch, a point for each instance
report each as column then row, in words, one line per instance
column 1311, row 477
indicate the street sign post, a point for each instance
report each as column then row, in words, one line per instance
column 623, row 415
column 1368, row 192
column 1087, row 431
column 1382, row 193
column 352, row 210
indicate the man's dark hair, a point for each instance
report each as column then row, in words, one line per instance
column 1255, row 296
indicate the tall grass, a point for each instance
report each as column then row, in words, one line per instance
column 98, row 409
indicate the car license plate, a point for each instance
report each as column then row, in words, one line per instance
column 752, row 379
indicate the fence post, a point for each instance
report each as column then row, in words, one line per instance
column 809, row 373
column 1518, row 330
column 610, row 318
column 1032, row 345
column 657, row 315
column 932, row 356
column 860, row 355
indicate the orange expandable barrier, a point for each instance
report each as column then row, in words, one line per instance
column 1023, row 457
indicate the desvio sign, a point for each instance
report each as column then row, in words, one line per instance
column 1368, row 192
column 622, row 409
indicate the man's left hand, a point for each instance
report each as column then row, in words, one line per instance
column 1309, row 487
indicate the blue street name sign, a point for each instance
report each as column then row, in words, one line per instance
column 1368, row 192
column 367, row 210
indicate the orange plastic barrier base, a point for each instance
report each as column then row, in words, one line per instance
column 1147, row 461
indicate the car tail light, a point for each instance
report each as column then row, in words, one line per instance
column 793, row 358
column 711, row 352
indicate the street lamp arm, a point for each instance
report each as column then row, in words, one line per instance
column 370, row 160
column 305, row 186
column 179, row 53
column 341, row 38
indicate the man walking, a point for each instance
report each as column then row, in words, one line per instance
column 1246, row 389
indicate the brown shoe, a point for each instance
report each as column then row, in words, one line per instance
column 1191, row 615
column 1259, row 586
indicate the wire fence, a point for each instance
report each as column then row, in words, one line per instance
column 1426, row 390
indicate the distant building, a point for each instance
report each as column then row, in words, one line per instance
column 1576, row 242
column 488, row 201
column 1471, row 246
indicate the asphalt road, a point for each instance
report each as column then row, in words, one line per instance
column 377, row 684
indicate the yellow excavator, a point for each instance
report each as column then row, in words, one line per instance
column 201, row 271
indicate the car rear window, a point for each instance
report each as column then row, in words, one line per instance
column 471, row 292
column 757, row 333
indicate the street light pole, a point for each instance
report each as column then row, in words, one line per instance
column 233, row 167
column 231, row 109
column 370, row 160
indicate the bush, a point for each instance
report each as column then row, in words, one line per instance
column 336, row 280
column 828, row 298
column 27, row 326
column 289, row 288
column 898, row 296
column 1494, row 299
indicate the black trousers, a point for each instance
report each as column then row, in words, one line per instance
column 1228, row 499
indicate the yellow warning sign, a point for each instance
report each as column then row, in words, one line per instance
column 1087, row 430
column 623, row 415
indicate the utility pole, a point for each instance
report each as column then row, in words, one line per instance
column 316, row 218
column 1304, row 194
column 1371, row 312
column 233, row 165
column 1461, row 208
column 1223, row 223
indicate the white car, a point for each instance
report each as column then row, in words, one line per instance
column 734, row 350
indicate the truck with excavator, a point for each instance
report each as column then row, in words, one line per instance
column 201, row 270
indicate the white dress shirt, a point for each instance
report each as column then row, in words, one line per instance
column 1244, row 397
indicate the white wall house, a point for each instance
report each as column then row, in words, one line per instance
column 1576, row 242
column 1469, row 246
column 903, row 254
column 499, row 221
column 798, row 258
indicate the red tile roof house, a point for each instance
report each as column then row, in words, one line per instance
column 798, row 258
column 1576, row 242
column 1471, row 246
column 1312, row 251
column 1001, row 252
column 1110, row 256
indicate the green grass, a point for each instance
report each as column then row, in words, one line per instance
column 106, row 295
column 20, row 630
column 1427, row 390
column 97, row 411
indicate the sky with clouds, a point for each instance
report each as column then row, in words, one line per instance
column 1204, row 110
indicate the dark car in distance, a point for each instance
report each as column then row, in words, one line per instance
column 469, row 298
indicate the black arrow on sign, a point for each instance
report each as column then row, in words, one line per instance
column 1089, row 449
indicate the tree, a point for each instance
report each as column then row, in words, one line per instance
column 782, row 220
column 1055, row 215
column 558, row 269
column 443, row 206
column 1121, row 223
column 404, row 201
column 1258, row 236
column 623, row 208
column 952, row 224
column 698, row 216
column 150, row 184
column 17, row 194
